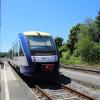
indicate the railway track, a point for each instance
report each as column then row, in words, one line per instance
column 41, row 93
column 61, row 92
column 81, row 69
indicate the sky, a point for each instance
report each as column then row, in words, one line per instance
column 56, row 17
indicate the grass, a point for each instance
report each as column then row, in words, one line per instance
column 72, row 60
column 67, row 59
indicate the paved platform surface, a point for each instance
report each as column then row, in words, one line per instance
column 13, row 88
column 0, row 80
column 85, row 77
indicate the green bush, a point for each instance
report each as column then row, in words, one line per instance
column 95, row 53
column 66, row 55
column 70, row 59
column 88, row 50
column 63, row 48
column 74, row 60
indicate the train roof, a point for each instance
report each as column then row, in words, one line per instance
column 36, row 33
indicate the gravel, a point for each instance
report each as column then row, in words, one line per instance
column 62, row 94
column 58, row 93
column 85, row 88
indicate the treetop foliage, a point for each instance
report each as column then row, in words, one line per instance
column 84, row 40
column 3, row 54
column 58, row 41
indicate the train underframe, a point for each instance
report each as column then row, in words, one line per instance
column 44, row 71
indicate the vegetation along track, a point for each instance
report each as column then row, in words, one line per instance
column 56, row 91
column 81, row 69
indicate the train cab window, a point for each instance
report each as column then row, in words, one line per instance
column 41, row 41
column 20, row 50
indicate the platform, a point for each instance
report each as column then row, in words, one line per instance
column 12, row 87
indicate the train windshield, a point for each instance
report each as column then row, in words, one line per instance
column 43, row 41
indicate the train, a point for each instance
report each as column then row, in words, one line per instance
column 35, row 54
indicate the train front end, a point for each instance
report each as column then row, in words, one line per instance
column 44, row 55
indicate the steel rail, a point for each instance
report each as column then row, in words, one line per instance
column 37, row 87
column 76, row 92
column 82, row 69
column 44, row 93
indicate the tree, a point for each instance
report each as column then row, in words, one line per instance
column 87, row 46
column 58, row 41
column 84, row 40
column 83, row 46
column 3, row 54
column 63, row 48
column 92, row 29
column 73, row 37
column 97, row 21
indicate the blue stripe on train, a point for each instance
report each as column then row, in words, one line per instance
column 25, row 48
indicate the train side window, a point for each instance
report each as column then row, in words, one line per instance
column 13, row 51
column 20, row 50
column 16, row 50
column 10, row 53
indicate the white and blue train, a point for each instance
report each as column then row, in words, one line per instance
column 35, row 54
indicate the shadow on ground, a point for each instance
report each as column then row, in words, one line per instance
column 64, row 80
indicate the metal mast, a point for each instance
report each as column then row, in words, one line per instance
column 0, row 28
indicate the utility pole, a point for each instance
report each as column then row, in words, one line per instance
column 0, row 27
